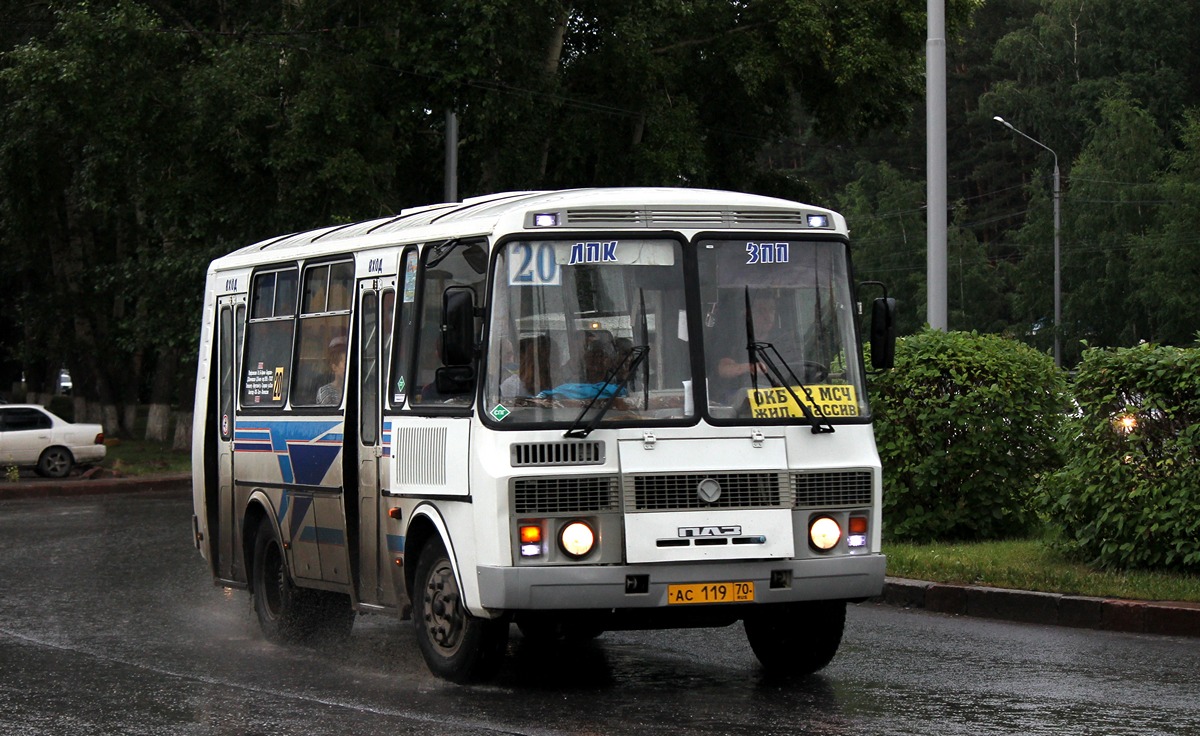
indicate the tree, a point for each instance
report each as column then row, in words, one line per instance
column 1166, row 260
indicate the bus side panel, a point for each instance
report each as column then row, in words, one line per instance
column 297, row 462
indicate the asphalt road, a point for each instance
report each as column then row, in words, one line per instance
column 109, row 625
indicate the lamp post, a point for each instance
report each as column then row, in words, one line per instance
column 1057, row 261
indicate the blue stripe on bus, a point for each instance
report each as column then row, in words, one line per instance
column 305, row 449
column 323, row 535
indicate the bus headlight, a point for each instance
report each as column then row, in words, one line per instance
column 824, row 533
column 577, row 539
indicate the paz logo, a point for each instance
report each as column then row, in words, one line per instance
column 499, row 412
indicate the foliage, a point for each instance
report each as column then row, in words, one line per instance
column 965, row 425
column 1128, row 495
column 139, row 139
column 1032, row 564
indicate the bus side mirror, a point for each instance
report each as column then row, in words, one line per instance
column 458, row 326
column 883, row 333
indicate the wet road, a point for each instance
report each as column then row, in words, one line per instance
column 109, row 625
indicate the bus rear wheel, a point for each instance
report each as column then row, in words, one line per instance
column 796, row 638
column 289, row 614
column 456, row 645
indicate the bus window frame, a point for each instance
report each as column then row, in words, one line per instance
column 350, row 314
column 250, row 320
column 413, row 335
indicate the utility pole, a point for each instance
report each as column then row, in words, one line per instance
column 450, row 193
column 935, row 163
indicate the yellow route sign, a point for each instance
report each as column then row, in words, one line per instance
column 832, row 401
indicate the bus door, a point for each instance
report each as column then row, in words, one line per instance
column 222, row 526
column 376, row 300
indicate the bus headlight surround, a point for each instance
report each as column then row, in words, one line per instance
column 577, row 539
column 824, row 533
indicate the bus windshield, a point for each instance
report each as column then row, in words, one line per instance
column 587, row 329
column 779, row 335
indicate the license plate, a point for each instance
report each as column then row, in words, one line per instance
column 710, row 593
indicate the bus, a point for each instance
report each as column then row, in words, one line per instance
column 565, row 411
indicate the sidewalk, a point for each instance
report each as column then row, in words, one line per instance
column 76, row 485
column 1052, row 609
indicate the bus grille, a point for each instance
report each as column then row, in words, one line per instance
column 558, row 453
column 570, row 495
column 678, row 491
column 844, row 488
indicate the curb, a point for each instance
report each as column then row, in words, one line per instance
column 1053, row 609
column 78, row 486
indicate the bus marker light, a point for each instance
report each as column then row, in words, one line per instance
column 545, row 219
column 577, row 539
column 818, row 221
column 824, row 533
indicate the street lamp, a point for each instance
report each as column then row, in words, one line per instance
column 1057, row 262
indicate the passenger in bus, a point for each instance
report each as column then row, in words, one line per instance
column 599, row 359
column 735, row 369
column 533, row 371
column 331, row 393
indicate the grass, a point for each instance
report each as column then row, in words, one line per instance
column 1032, row 565
column 140, row 457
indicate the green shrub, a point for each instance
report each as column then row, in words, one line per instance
column 1128, row 496
column 965, row 424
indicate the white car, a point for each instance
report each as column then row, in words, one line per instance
column 30, row 436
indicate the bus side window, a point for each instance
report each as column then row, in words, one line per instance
column 465, row 264
column 269, row 339
column 400, row 383
column 323, row 330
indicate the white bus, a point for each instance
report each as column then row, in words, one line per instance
column 572, row 411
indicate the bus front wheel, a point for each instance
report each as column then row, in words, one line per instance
column 796, row 638
column 456, row 645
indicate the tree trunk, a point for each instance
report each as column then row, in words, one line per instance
column 183, row 431
column 159, row 422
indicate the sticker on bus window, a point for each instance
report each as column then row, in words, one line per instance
column 777, row 403
column 410, row 280
column 762, row 253
column 500, row 412
column 533, row 264
column 398, row 397
column 260, row 382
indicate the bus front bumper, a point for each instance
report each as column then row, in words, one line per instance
column 563, row 587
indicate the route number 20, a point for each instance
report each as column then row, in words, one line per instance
column 533, row 264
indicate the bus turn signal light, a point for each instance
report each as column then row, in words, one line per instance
column 531, row 539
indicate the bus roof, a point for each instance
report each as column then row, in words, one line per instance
column 627, row 207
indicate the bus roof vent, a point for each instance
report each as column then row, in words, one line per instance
column 604, row 217
column 770, row 217
column 686, row 217
column 557, row 453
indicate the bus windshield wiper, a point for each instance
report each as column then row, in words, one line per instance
column 635, row 358
column 764, row 353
